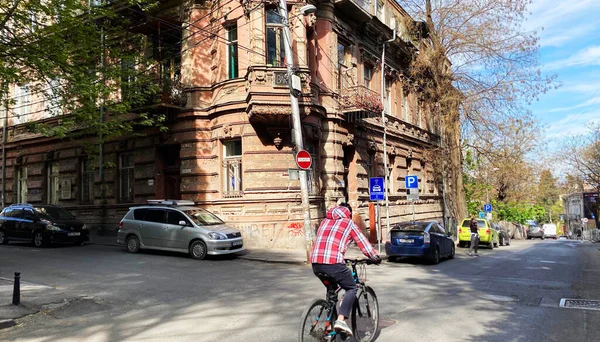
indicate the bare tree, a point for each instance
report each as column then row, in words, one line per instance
column 479, row 66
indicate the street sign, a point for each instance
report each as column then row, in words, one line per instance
column 303, row 160
column 412, row 197
column 376, row 189
column 411, row 182
column 481, row 214
column 487, row 207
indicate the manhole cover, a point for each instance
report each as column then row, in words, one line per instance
column 585, row 304
column 497, row 298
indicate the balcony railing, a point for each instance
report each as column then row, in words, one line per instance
column 357, row 10
column 360, row 99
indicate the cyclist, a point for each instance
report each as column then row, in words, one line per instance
column 334, row 235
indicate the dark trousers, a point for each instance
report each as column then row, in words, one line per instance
column 343, row 276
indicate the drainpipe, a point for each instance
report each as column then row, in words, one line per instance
column 383, row 122
column 4, row 147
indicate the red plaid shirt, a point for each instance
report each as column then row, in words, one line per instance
column 334, row 236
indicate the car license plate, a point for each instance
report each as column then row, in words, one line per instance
column 236, row 243
column 407, row 240
column 75, row 234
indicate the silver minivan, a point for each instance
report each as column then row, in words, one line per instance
column 177, row 226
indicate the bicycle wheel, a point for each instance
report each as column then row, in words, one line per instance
column 314, row 322
column 365, row 315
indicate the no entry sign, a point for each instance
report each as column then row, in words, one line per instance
column 303, row 160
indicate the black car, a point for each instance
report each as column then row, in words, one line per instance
column 503, row 235
column 40, row 224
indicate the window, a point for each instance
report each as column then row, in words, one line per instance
column 22, row 185
column 232, row 51
column 87, row 181
column 369, row 165
column 128, row 74
column 126, row 177
column 367, row 75
column 387, row 103
column 275, row 39
column 173, row 217
column 232, row 168
column 405, row 106
column 155, row 215
column 28, row 214
column 22, row 105
column 53, row 183
column 379, row 9
column 313, row 173
column 343, row 63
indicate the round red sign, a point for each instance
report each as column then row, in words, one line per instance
column 303, row 160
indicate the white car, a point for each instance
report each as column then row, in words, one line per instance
column 549, row 230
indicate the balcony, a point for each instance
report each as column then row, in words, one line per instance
column 359, row 102
column 357, row 10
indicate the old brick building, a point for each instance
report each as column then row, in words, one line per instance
column 228, row 146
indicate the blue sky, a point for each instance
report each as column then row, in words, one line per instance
column 570, row 48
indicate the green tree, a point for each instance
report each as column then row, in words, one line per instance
column 82, row 60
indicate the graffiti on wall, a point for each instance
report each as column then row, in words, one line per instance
column 278, row 234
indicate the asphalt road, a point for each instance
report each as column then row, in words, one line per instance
column 102, row 293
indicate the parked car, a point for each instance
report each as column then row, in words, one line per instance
column 535, row 232
column 41, row 224
column 419, row 239
column 487, row 234
column 503, row 234
column 549, row 230
column 177, row 226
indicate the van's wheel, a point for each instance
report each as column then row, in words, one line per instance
column 198, row 250
column 132, row 243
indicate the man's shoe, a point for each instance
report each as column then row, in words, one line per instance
column 470, row 254
column 342, row 327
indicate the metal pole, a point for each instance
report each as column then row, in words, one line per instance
column 4, row 148
column 17, row 289
column 378, row 226
column 413, row 209
column 383, row 123
column 297, row 126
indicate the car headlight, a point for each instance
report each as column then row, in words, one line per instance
column 217, row 236
column 53, row 228
column 84, row 227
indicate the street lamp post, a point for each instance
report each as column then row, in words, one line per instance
column 296, row 90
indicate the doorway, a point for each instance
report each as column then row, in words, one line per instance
column 168, row 166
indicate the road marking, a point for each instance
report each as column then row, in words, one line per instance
column 548, row 262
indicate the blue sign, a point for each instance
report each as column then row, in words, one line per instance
column 487, row 208
column 412, row 182
column 376, row 189
column 481, row 214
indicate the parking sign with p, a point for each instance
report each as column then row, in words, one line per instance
column 412, row 182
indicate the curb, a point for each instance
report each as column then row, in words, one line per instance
column 7, row 323
column 271, row 261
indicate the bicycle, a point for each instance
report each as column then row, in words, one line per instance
column 319, row 317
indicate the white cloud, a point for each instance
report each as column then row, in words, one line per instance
column 589, row 56
column 572, row 125
column 595, row 100
column 590, row 88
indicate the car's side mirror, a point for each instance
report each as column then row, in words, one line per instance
column 183, row 223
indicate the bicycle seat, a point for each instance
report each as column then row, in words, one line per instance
column 328, row 281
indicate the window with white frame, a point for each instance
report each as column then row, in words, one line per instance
column 87, row 181
column 126, row 179
column 53, row 183
column 22, row 184
column 380, row 10
column 343, row 63
column 367, row 75
column 232, row 168
column 275, row 39
column 22, row 107
column 387, row 103
column 232, row 51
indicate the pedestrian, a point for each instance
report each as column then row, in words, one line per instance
column 474, row 237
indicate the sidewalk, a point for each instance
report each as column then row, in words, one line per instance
column 288, row 256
